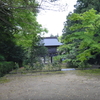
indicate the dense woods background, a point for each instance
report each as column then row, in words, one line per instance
column 20, row 34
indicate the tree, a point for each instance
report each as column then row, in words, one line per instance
column 72, row 46
column 88, row 35
column 16, row 54
column 37, row 51
column 67, row 24
column 7, row 42
column 19, row 28
column 80, row 7
column 6, row 30
column 85, row 5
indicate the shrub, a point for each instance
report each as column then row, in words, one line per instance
column 5, row 67
column 56, row 66
column 38, row 66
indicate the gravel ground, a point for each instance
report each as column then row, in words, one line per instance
column 67, row 86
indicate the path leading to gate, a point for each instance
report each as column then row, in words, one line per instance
column 67, row 86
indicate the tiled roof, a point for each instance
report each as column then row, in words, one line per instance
column 51, row 41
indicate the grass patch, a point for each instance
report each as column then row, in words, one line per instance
column 4, row 80
column 89, row 72
column 53, row 72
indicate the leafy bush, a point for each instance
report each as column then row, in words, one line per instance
column 6, row 67
column 27, row 67
column 56, row 66
column 83, row 65
column 38, row 66
column 2, row 58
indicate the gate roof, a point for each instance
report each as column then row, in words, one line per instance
column 51, row 41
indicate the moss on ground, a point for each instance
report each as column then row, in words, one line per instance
column 52, row 72
column 4, row 80
column 89, row 72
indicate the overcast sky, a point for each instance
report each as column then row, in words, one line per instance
column 53, row 20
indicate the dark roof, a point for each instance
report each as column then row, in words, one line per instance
column 51, row 41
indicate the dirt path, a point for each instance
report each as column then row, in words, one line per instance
column 66, row 86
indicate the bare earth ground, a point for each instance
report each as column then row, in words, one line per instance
column 67, row 86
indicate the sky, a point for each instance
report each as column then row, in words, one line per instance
column 53, row 20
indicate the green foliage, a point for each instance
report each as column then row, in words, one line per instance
column 27, row 26
column 85, row 37
column 85, row 5
column 18, row 28
column 6, row 30
column 63, row 49
column 88, row 41
column 16, row 54
column 6, row 67
column 38, row 66
column 70, row 58
column 81, row 31
column 2, row 58
column 29, row 29
column 56, row 65
column 37, row 51
column 27, row 67
column 67, row 24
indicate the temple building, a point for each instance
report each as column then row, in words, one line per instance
column 51, row 43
